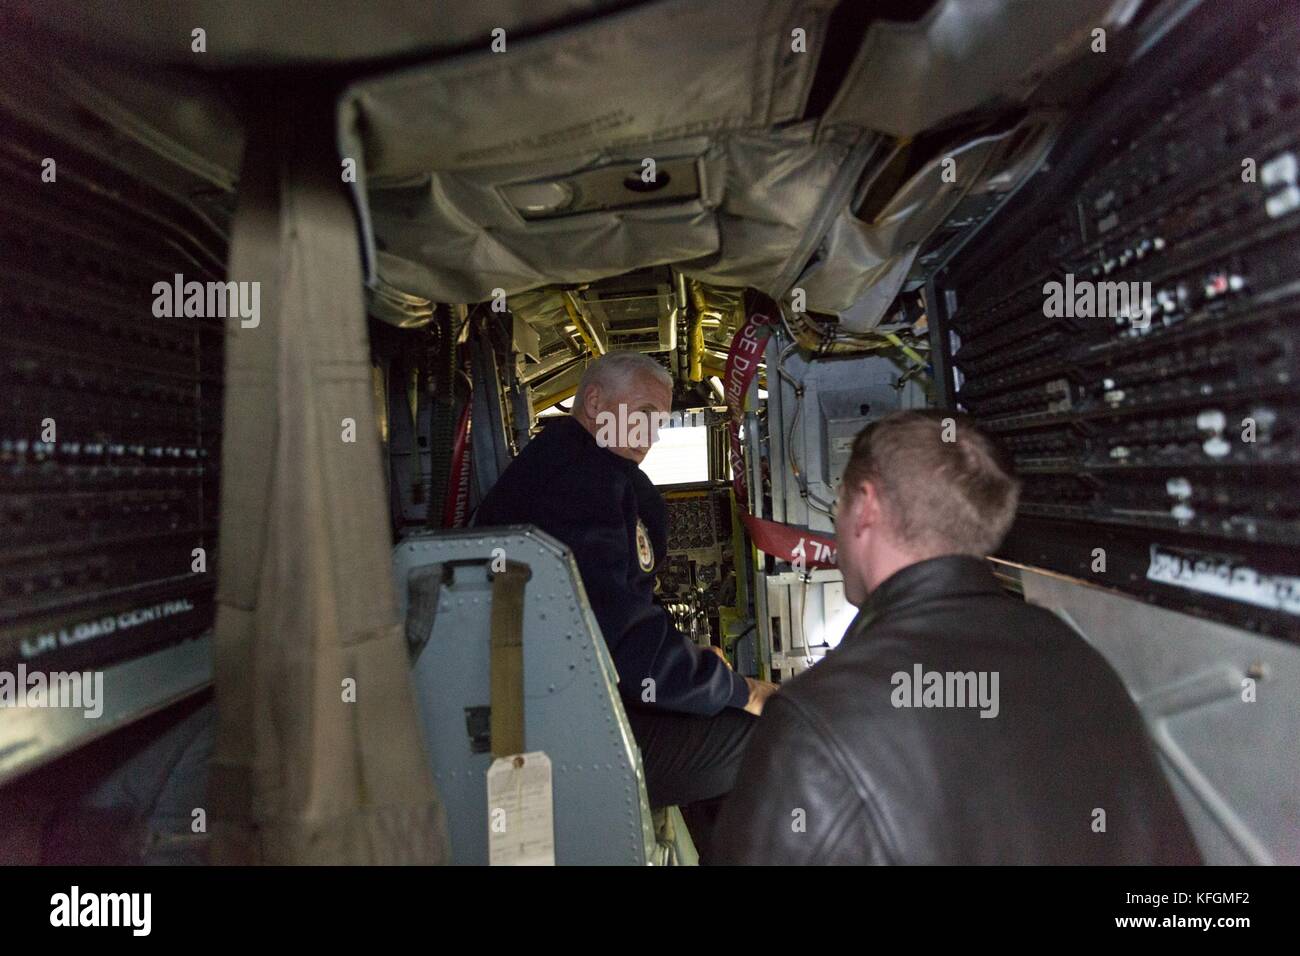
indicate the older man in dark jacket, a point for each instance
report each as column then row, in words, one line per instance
column 954, row 723
column 580, row 482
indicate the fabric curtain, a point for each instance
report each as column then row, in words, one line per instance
column 319, row 757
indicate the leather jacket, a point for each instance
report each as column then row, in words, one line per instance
column 1038, row 756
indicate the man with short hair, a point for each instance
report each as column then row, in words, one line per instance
column 954, row 723
column 579, row 481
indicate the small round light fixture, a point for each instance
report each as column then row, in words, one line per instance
column 539, row 199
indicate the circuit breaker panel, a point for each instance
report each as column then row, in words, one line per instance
column 1137, row 351
column 110, row 412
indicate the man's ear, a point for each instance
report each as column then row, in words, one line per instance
column 591, row 402
column 866, row 508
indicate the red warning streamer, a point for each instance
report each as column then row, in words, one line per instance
column 789, row 542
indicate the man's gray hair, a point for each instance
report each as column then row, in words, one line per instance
column 615, row 370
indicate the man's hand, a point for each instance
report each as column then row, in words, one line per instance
column 721, row 653
column 759, row 692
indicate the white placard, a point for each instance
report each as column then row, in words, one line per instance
column 1211, row 575
column 521, row 821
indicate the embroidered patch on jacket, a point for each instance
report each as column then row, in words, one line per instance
column 645, row 552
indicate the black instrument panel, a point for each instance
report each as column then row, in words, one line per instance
column 1138, row 353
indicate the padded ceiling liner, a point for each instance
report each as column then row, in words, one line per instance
column 451, row 236
column 600, row 82
column 711, row 79
column 714, row 81
column 657, row 72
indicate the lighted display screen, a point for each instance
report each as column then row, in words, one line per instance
column 679, row 456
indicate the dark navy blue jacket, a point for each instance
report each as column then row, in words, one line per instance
column 591, row 499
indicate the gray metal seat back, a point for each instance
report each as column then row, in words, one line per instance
column 572, row 710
